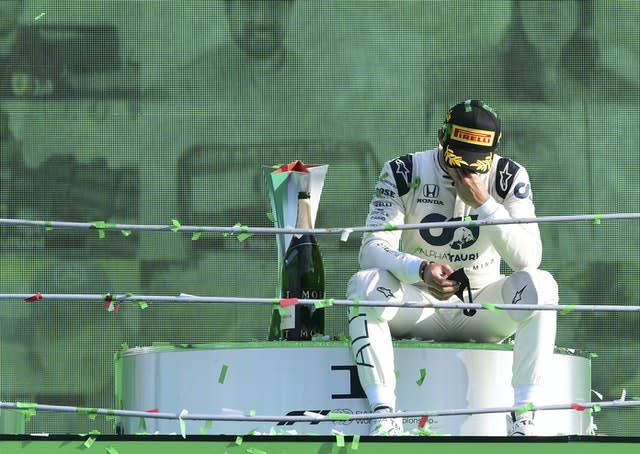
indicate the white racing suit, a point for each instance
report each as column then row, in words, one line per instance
column 416, row 188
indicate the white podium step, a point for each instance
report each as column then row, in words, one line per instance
column 289, row 378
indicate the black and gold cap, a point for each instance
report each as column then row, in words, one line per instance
column 470, row 135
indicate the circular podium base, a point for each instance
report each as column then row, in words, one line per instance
column 289, row 378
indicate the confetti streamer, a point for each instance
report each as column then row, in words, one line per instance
column 91, row 412
column 524, row 408
column 223, row 374
column 107, row 303
column 183, row 425
column 245, row 233
column 355, row 443
column 36, row 297
column 28, row 410
column 142, row 304
column 423, row 422
column 338, row 416
column 567, row 309
column 344, row 237
column 324, row 303
column 491, row 307
column 356, row 306
column 286, row 302
column 423, row 375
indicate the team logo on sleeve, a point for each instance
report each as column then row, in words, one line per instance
column 506, row 173
column 402, row 169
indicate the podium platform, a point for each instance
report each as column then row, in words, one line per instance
column 289, row 378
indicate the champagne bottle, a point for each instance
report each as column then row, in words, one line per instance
column 302, row 277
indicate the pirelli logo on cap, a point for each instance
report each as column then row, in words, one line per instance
column 472, row 136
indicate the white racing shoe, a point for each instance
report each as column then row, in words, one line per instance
column 385, row 426
column 522, row 425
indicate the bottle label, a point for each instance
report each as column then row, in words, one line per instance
column 287, row 317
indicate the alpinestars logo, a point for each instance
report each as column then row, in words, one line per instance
column 518, row 296
column 505, row 176
column 402, row 169
column 385, row 291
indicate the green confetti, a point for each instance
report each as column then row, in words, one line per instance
column 416, row 184
column 125, row 232
column 28, row 414
column 596, row 407
column 383, row 176
column 271, row 217
column 471, row 222
column 397, row 373
column 223, row 374
column 524, row 408
column 355, row 443
column 356, row 306
column 340, row 440
column 490, row 306
column 48, row 227
column 324, row 303
column 596, row 219
column 142, row 304
column 92, row 412
column 244, row 236
column 208, row 424
column 142, row 425
column 176, row 225
column 417, row 250
column 111, row 450
column 567, row 309
column 89, row 442
column 124, row 346
column 252, row 412
column 593, row 355
column 423, row 375
column 388, row 227
column 238, row 440
column 196, row 235
column 26, row 405
column 338, row 416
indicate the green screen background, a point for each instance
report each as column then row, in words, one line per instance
column 178, row 124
